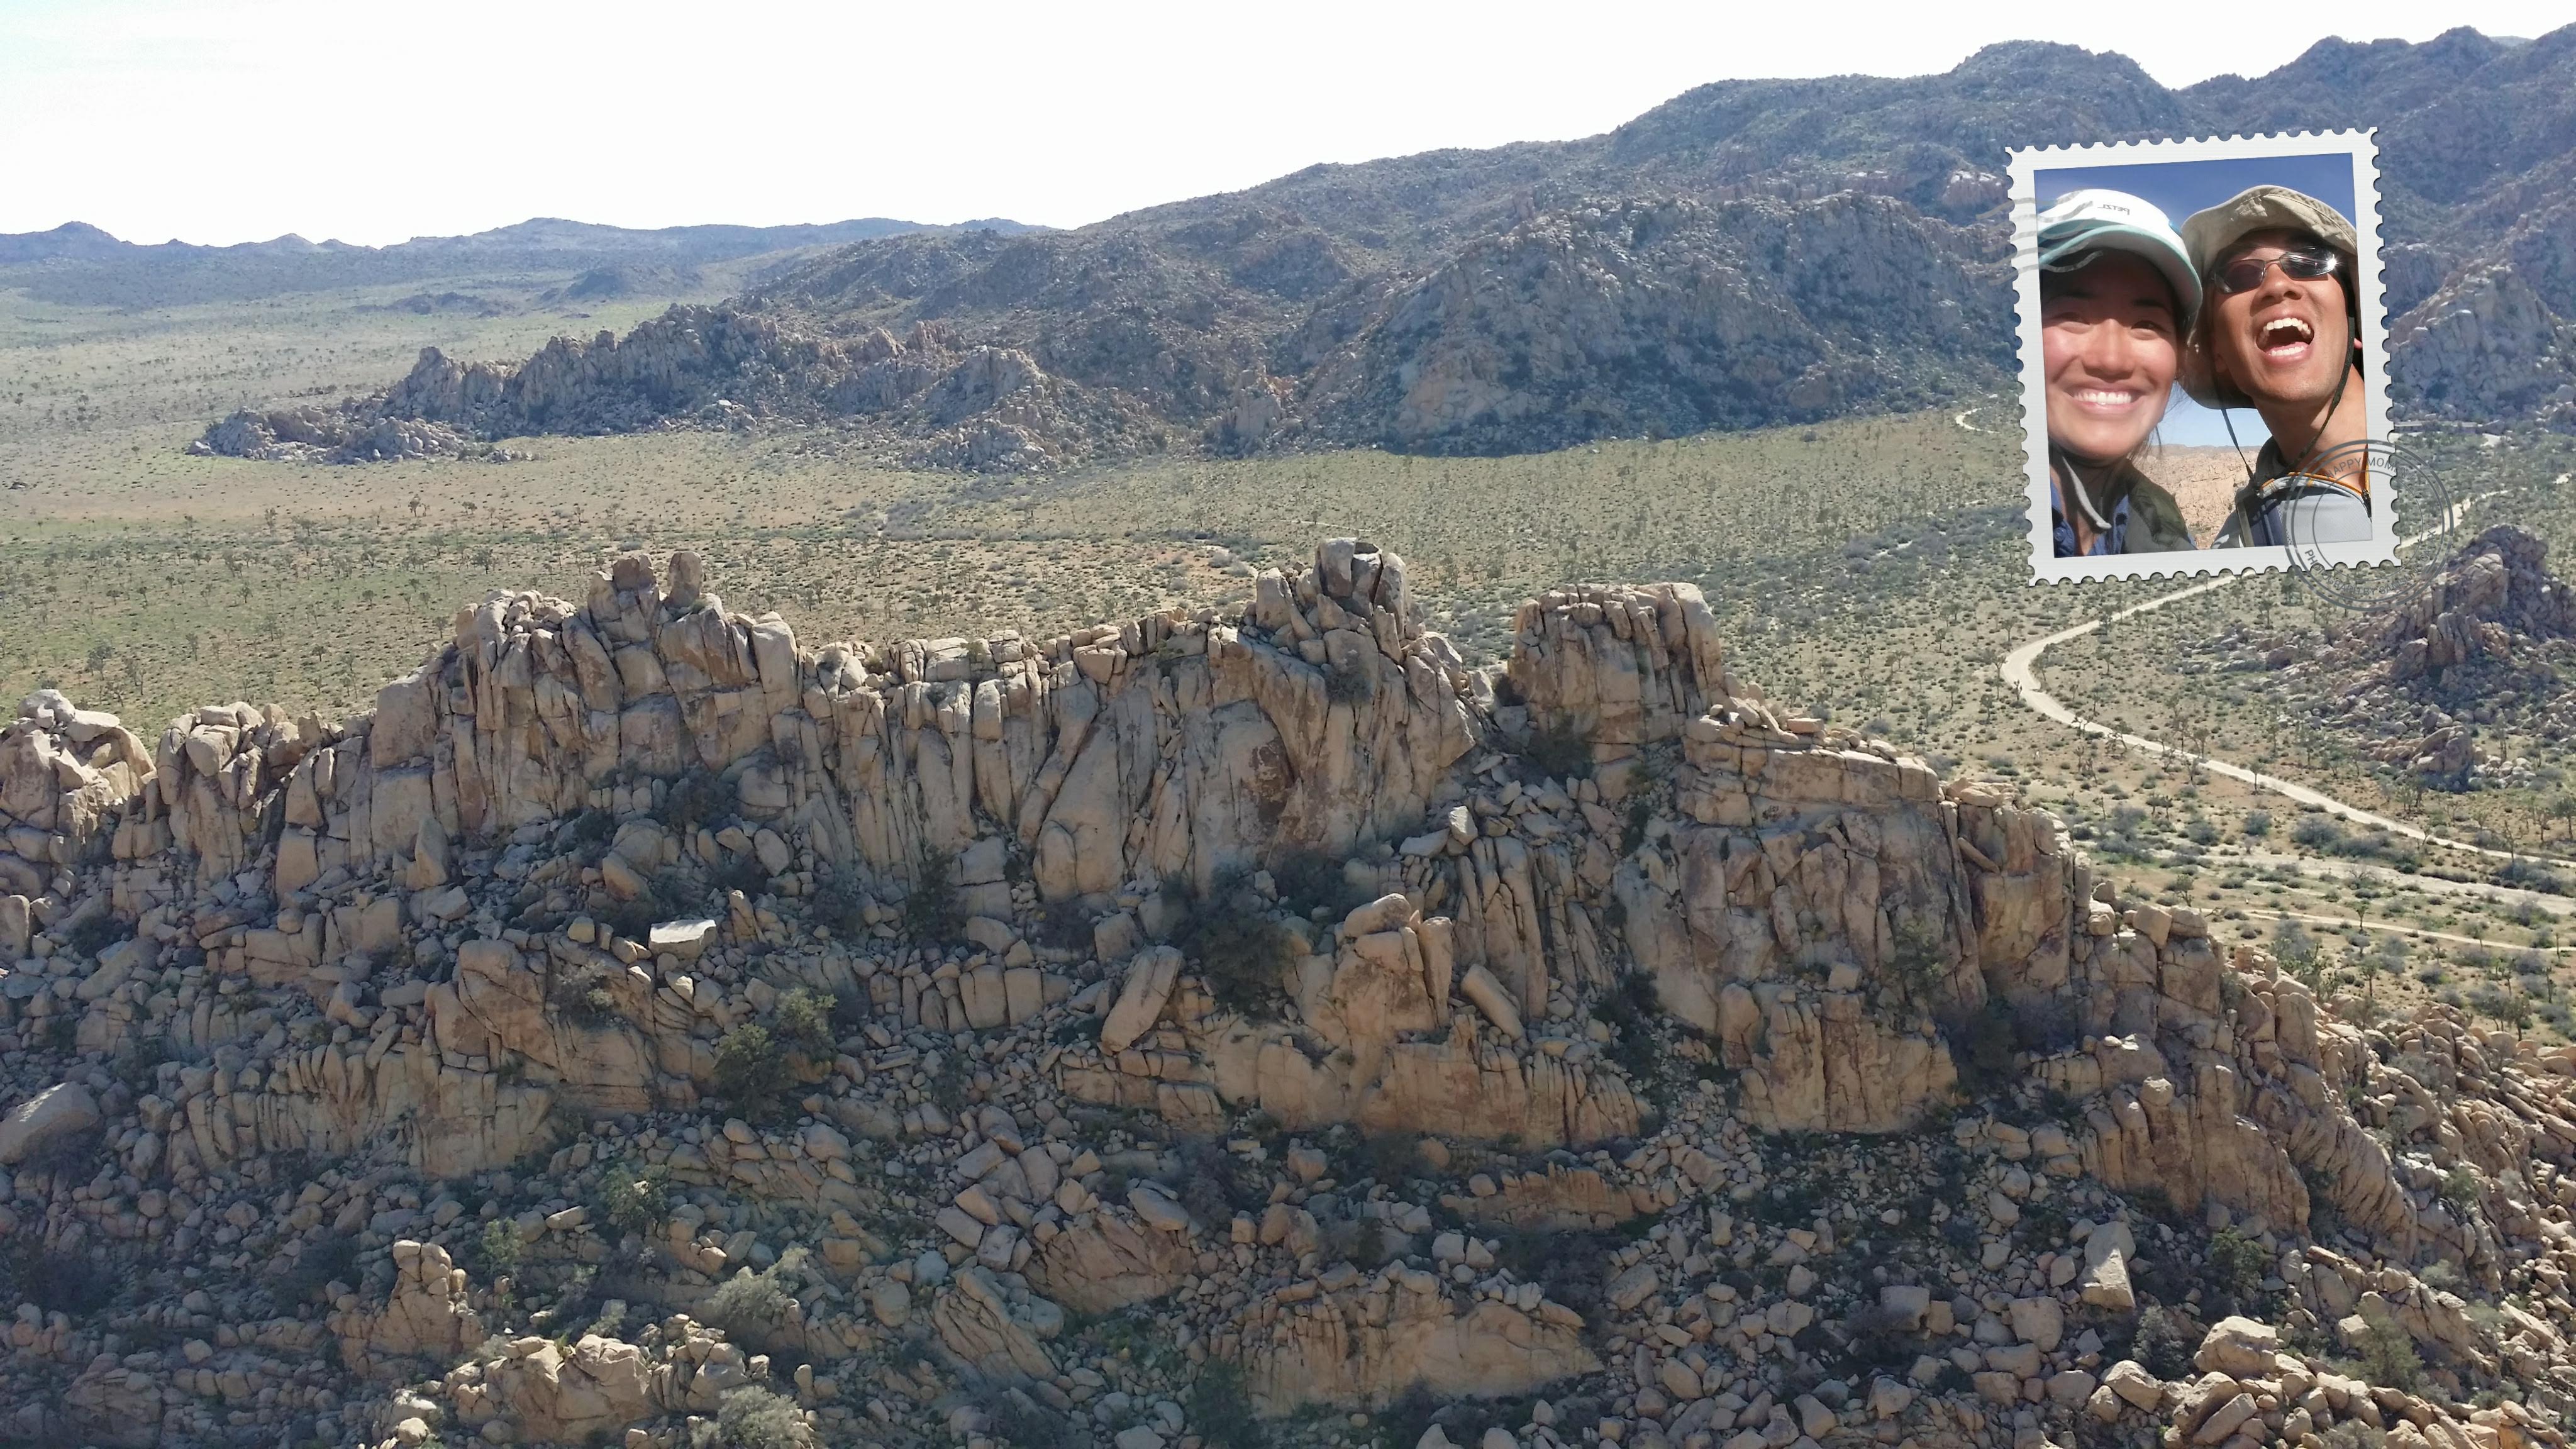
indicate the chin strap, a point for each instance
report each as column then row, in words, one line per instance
column 2065, row 462
column 2247, row 494
column 2333, row 405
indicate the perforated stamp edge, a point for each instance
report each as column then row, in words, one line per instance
column 2025, row 164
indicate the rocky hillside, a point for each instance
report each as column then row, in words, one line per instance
column 644, row 1026
column 2483, row 650
column 1750, row 252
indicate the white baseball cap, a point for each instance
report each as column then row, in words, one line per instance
column 2081, row 224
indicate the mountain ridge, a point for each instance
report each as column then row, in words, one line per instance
column 78, row 262
column 1796, row 249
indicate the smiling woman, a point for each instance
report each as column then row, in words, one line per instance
column 2264, row 300
column 2117, row 294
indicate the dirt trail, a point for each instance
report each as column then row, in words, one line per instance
column 2021, row 671
column 2412, row 933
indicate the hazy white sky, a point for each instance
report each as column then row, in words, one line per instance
column 236, row 120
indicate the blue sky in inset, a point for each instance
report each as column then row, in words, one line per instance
column 2183, row 187
column 2180, row 188
column 2190, row 425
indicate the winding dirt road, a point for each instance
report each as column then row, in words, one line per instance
column 2021, row 671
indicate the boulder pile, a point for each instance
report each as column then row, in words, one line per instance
column 645, row 1026
column 2484, row 644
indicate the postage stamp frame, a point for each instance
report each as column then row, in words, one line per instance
column 2026, row 165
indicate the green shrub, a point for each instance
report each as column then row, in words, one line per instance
column 2236, row 1266
column 1919, row 965
column 1981, row 1042
column 630, row 1201
column 1629, row 1008
column 71, row 1283
column 949, row 1083
column 742, row 872
column 1366, row 1243
column 931, row 912
column 752, row 1417
column 497, row 1249
column 1065, row 925
column 589, row 830
column 694, row 799
column 1632, row 831
column 2388, row 1356
column 838, row 902
column 2295, row 949
column 138, row 1063
column 95, row 934
column 2316, row 832
column 1220, row 1408
column 1241, row 951
column 1560, row 748
column 332, row 1256
column 1571, row 1267
column 750, row 1070
column 752, row 1306
column 2163, row 1344
column 803, row 1019
column 1308, row 879
column 2460, row 1188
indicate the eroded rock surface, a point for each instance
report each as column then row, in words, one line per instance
column 640, row 1019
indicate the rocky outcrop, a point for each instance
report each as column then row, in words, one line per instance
column 315, row 434
column 52, row 1118
column 1365, row 1339
column 1109, row 1262
column 2486, row 349
column 537, row 1390
column 1658, row 315
column 428, row 1314
column 1029, row 353
column 1219, row 978
column 2484, row 643
column 2494, row 602
column 975, row 1321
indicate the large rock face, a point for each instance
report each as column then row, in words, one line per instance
column 1809, row 902
column 1223, row 974
column 52, row 1117
column 1369, row 1340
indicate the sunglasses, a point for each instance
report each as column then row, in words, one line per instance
column 2306, row 264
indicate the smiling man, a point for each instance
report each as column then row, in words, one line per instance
column 2116, row 295
column 2279, row 332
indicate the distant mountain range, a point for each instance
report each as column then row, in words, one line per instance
column 1750, row 252
column 79, row 264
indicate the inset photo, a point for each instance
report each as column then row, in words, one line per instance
column 2203, row 356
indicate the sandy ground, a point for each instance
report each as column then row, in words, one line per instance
column 2202, row 481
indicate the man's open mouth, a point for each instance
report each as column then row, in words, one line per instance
column 2285, row 339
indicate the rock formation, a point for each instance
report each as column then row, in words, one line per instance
column 641, row 1023
column 2485, row 642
